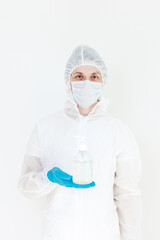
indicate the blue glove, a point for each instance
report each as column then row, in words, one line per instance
column 58, row 176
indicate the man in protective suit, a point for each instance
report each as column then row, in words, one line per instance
column 109, row 207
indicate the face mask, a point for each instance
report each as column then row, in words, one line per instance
column 86, row 92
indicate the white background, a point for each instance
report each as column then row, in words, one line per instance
column 36, row 39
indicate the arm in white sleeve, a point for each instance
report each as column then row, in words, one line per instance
column 33, row 181
column 127, row 194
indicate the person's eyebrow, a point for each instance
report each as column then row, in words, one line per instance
column 77, row 72
column 92, row 73
column 96, row 72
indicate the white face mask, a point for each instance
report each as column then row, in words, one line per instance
column 86, row 92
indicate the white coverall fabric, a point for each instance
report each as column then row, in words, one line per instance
column 109, row 211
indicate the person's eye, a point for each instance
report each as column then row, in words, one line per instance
column 95, row 77
column 79, row 76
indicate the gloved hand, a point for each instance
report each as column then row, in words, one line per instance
column 58, row 176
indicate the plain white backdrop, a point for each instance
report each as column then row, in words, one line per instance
column 36, row 39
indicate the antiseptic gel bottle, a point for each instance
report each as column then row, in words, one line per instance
column 82, row 165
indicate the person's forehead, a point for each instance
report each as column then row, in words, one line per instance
column 86, row 69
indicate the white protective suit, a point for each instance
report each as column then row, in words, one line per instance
column 111, row 210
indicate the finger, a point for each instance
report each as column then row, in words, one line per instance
column 62, row 174
column 92, row 184
column 64, row 182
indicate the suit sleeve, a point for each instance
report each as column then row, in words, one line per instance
column 33, row 181
column 127, row 193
